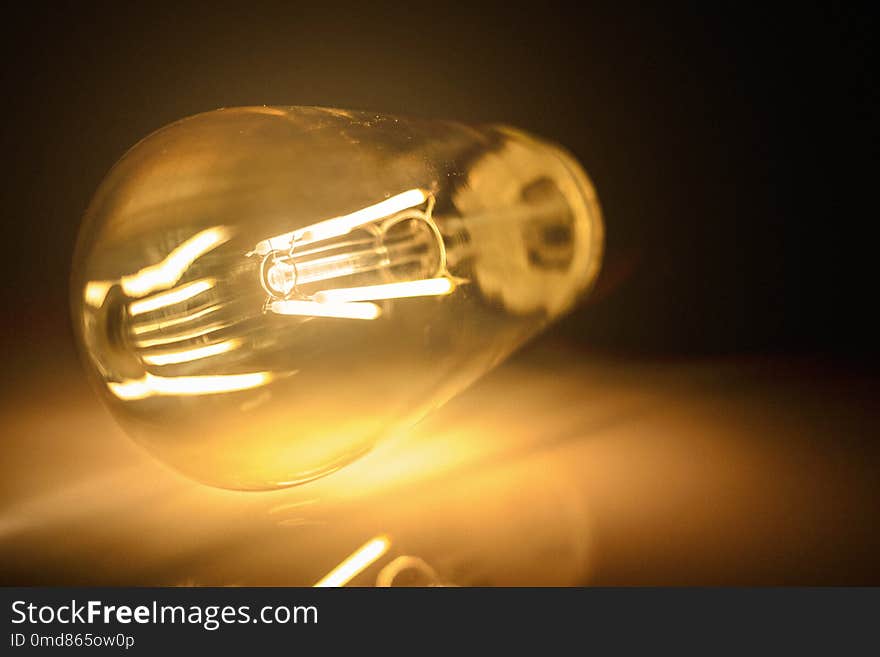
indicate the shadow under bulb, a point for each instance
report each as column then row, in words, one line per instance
column 262, row 293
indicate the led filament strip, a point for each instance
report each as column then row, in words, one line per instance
column 329, row 250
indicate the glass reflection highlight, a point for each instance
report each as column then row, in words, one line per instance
column 356, row 562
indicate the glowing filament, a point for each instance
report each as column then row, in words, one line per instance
column 188, row 355
column 344, row 224
column 150, row 385
column 169, row 271
column 423, row 288
column 170, row 297
column 138, row 329
column 356, row 562
column 95, row 292
column 315, row 309
column 181, row 337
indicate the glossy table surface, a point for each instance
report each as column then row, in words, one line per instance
column 559, row 468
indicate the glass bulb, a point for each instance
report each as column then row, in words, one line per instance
column 263, row 293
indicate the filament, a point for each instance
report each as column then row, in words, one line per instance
column 196, row 353
column 315, row 309
column 95, row 292
column 170, row 270
column 150, row 385
column 338, row 226
column 170, row 297
column 138, row 329
column 423, row 288
column 181, row 337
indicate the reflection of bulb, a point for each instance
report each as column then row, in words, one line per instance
column 262, row 293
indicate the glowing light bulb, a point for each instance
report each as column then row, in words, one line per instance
column 263, row 293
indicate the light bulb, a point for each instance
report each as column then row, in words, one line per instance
column 263, row 293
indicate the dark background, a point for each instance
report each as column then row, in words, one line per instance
column 729, row 146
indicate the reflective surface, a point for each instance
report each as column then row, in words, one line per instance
column 558, row 468
column 263, row 293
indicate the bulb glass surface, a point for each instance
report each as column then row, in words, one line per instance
column 263, row 293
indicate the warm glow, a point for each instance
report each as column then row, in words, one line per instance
column 338, row 226
column 151, row 385
column 423, row 288
column 181, row 337
column 167, row 273
column 95, row 292
column 187, row 355
column 170, row 297
column 163, row 324
column 356, row 562
column 391, row 263
column 315, row 309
